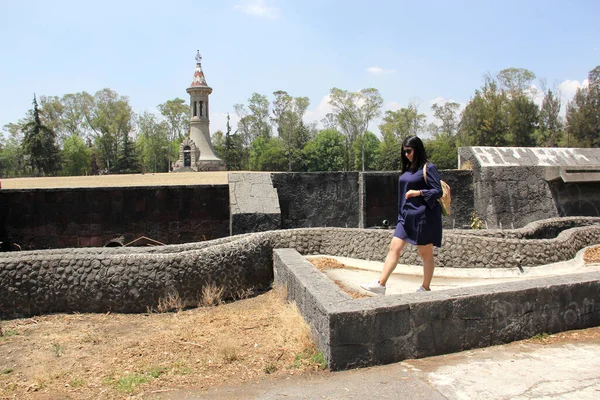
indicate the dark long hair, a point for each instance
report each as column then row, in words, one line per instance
column 419, row 154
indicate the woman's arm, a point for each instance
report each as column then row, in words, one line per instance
column 434, row 186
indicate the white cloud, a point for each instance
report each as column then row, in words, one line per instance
column 257, row 8
column 380, row 71
column 317, row 114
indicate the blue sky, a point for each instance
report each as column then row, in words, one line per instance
column 423, row 51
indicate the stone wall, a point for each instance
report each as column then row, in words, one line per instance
column 84, row 217
column 128, row 279
column 318, row 199
column 380, row 198
column 514, row 186
column 253, row 203
column 384, row 329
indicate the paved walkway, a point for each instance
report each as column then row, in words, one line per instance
column 564, row 366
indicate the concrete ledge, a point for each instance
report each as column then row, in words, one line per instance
column 380, row 330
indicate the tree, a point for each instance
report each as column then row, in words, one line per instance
column 153, row 143
column 39, row 143
column 515, row 81
column 127, row 158
column 177, row 115
column 353, row 111
column 442, row 150
column 288, row 113
column 12, row 158
column 484, row 120
column 267, row 154
column 366, row 154
column 583, row 113
column 551, row 125
column 325, row 152
column 523, row 117
column 259, row 109
column 390, row 152
column 403, row 122
column 76, row 156
column 109, row 116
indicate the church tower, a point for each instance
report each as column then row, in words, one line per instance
column 196, row 152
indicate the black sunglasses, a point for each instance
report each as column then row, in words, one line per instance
column 408, row 151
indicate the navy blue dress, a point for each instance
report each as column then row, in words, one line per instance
column 420, row 217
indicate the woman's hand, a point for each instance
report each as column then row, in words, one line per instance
column 413, row 193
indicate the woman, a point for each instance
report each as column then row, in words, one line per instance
column 419, row 214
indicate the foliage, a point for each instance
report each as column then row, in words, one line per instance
column 403, row 122
column 325, row 152
column 12, row 159
column 76, row 156
column 484, row 121
column 551, row 125
column 177, row 115
column 127, row 158
column 109, row 116
column 476, row 222
column 523, row 117
column 371, row 152
column 288, row 113
column 39, row 143
column 154, row 149
column 583, row 114
column 442, row 151
column 390, row 150
column 267, row 155
column 352, row 113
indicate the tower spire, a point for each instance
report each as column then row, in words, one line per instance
column 199, row 79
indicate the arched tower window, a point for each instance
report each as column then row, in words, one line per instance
column 194, row 109
column 201, row 108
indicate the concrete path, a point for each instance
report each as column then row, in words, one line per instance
column 564, row 366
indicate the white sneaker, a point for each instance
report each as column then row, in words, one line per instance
column 374, row 287
column 422, row 289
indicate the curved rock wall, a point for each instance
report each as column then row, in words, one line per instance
column 135, row 279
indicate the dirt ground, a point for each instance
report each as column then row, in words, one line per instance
column 117, row 356
column 161, row 179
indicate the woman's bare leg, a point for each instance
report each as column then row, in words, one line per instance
column 426, row 253
column 391, row 261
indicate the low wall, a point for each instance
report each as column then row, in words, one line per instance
column 385, row 329
column 90, row 217
column 128, row 279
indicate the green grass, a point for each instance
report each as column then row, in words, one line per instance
column 319, row 359
column 6, row 371
column 541, row 336
column 130, row 382
column 269, row 368
column 77, row 382
column 155, row 372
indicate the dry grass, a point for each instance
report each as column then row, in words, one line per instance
column 325, row 263
column 117, row 356
column 592, row 255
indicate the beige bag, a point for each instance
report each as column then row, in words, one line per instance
column 445, row 200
